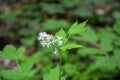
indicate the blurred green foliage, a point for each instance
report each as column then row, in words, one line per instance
column 97, row 60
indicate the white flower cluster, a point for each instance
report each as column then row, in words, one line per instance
column 55, row 52
column 47, row 40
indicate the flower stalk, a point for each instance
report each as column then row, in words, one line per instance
column 60, row 65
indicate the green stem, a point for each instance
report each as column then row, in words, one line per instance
column 18, row 65
column 60, row 69
column 68, row 37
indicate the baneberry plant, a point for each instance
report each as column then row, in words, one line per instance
column 60, row 42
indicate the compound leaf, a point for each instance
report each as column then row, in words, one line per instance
column 70, row 46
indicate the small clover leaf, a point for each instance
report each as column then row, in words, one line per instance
column 11, row 53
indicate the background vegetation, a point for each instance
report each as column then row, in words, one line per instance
column 21, row 21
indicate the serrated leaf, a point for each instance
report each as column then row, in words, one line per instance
column 12, row 75
column 77, row 28
column 71, row 30
column 116, row 57
column 17, row 75
column 9, row 48
column 89, row 35
column 8, row 52
column 70, row 46
column 27, row 65
column 108, row 63
column 117, row 27
column 62, row 34
column 106, row 43
column 20, row 52
column 89, row 51
column 32, row 72
column 102, row 63
column 105, row 63
column 52, row 75
column 70, row 69
column 2, row 54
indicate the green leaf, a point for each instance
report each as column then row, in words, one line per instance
column 89, row 35
column 117, row 27
column 102, row 63
column 63, row 78
column 116, row 57
column 45, row 77
column 2, row 54
column 10, row 17
column 52, row 75
column 69, row 3
column 17, row 75
column 20, row 52
column 62, row 34
column 32, row 72
column 29, row 6
column 105, row 63
column 83, row 12
column 72, row 29
column 28, row 40
column 12, row 75
column 9, row 49
column 70, row 69
column 116, row 15
column 117, row 42
column 27, row 32
column 90, row 51
column 77, row 28
column 70, row 46
column 106, row 43
column 27, row 65
column 52, row 8
column 51, row 24
column 10, row 52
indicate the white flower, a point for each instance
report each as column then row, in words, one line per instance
column 43, row 43
column 47, row 40
column 42, row 35
column 60, row 43
column 55, row 52
column 59, row 40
